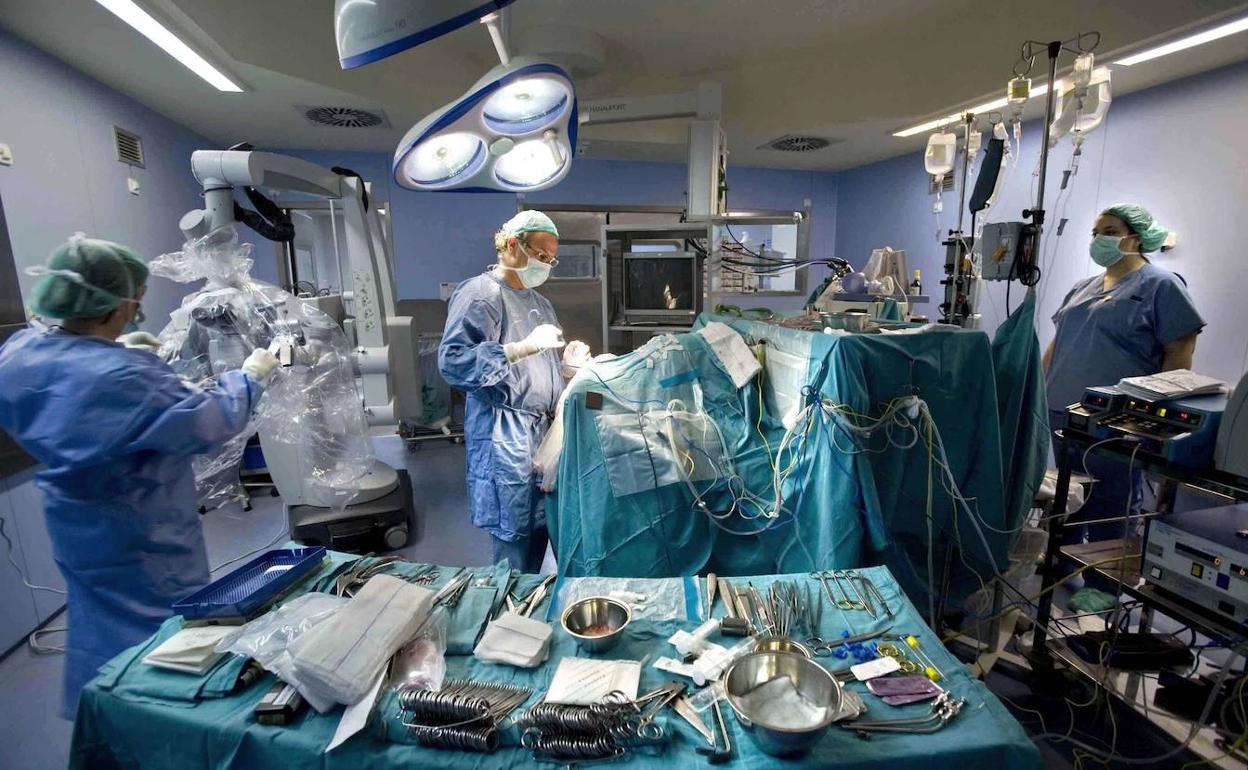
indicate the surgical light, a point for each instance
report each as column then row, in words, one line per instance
column 147, row 26
column 514, row 130
column 370, row 30
column 519, row 106
column 1191, row 41
column 530, row 163
column 445, row 159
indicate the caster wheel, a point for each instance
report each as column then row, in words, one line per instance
column 396, row 537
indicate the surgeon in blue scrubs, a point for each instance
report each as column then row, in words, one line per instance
column 1133, row 319
column 501, row 347
column 114, row 429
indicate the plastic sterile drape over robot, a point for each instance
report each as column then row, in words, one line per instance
column 311, row 407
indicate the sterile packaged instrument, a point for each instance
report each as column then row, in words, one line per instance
column 340, row 659
column 421, row 663
column 515, row 640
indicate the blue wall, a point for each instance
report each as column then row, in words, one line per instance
column 1180, row 149
column 448, row 237
column 66, row 178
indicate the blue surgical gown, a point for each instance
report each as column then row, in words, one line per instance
column 115, row 429
column 509, row 405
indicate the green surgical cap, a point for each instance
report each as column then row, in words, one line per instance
column 529, row 222
column 134, row 263
column 1152, row 235
column 86, row 278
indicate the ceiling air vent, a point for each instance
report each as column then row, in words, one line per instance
column 129, row 147
column 796, row 143
column 344, row 117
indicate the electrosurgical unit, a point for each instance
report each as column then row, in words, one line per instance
column 1202, row 556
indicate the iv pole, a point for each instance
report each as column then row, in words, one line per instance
column 1054, row 50
column 959, row 240
column 1036, row 215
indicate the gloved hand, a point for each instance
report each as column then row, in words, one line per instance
column 260, row 364
column 575, row 355
column 141, row 340
column 544, row 337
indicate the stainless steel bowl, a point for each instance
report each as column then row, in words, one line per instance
column 596, row 623
column 782, row 730
column 857, row 320
column 850, row 320
column 781, row 644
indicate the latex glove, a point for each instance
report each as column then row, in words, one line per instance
column 260, row 364
column 575, row 355
column 544, row 337
column 140, row 340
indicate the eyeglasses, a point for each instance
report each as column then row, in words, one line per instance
column 540, row 256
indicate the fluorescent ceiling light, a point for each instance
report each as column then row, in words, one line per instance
column 979, row 109
column 153, row 30
column 1208, row 36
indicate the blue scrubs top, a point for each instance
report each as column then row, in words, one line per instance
column 1103, row 336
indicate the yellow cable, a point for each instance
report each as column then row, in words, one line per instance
column 758, row 423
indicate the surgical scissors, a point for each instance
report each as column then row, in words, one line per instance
column 844, row 603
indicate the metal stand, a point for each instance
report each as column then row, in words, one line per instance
column 1053, row 49
column 958, row 307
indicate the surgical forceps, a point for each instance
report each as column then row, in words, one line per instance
column 943, row 709
column 823, row 647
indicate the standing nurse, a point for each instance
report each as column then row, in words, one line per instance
column 1133, row 319
column 500, row 347
column 115, row 429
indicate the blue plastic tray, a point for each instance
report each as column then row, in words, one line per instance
column 252, row 586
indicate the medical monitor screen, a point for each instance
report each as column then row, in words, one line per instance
column 660, row 283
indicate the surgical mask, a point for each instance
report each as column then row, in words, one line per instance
column 1105, row 250
column 533, row 274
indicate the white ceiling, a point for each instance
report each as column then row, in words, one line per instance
column 849, row 70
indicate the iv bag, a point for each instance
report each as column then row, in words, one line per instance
column 1081, row 119
column 1017, row 92
column 1095, row 104
column 941, row 151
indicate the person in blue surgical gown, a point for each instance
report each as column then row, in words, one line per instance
column 501, row 347
column 114, row 429
column 1132, row 319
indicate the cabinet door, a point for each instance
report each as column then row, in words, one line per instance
column 27, row 502
column 17, row 606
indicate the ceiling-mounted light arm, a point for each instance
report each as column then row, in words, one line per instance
column 493, row 22
column 705, row 103
column 707, row 150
